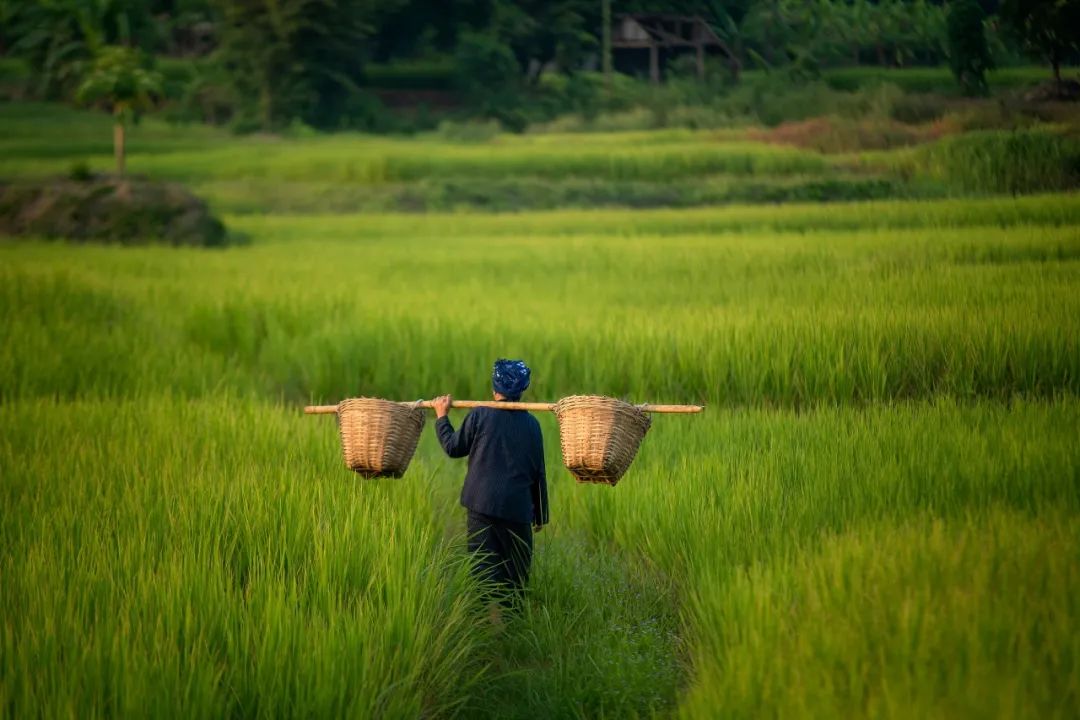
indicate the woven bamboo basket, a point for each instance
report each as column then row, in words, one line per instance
column 599, row 436
column 378, row 437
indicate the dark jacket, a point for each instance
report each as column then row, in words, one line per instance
column 506, row 477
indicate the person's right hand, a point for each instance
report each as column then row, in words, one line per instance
column 442, row 405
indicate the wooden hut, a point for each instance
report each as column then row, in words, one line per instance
column 666, row 35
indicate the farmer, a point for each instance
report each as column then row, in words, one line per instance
column 505, row 489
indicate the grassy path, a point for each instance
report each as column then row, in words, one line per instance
column 598, row 638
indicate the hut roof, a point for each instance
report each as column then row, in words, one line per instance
column 643, row 30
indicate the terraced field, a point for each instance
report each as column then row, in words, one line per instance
column 877, row 515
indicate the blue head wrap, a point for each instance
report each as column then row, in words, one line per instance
column 510, row 378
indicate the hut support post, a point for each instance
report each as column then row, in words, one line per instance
column 654, row 64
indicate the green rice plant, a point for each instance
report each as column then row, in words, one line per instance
column 178, row 557
column 529, row 193
column 835, row 561
column 189, row 558
column 927, row 618
column 636, row 169
column 1002, row 162
column 369, row 162
column 875, row 516
column 716, row 310
column 38, row 146
column 1059, row 210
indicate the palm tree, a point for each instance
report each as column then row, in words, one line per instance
column 119, row 80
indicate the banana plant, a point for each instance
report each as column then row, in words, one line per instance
column 59, row 38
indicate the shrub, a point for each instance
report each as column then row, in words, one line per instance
column 621, row 121
column 912, row 80
column 207, row 97
column 583, row 94
column 511, row 118
column 877, row 101
column 773, row 100
column 918, row 109
column 80, row 171
column 487, row 71
column 177, row 76
column 839, row 135
column 299, row 130
column 702, row 117
column 419, row 74
column 364, row 111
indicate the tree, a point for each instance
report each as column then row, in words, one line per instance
column 419, row 27
column 541, row 31
column 119, row 79
column 605, row 46
column 1048, row 29
column 928, row 35
column 969, row 55
column 726, row 19
column 490, row 78
column 59, row 38
column 297, row 58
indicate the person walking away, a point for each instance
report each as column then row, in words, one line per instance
column 505, row 491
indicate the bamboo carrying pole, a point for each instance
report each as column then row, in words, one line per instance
column 503, row 405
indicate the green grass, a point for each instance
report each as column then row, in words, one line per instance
column 42, row 138
column 934, row 79
column 1002, row 162
column 351, row 172
column 876, row 516
column 141, row 577
column 38, row 137
column 904, row 606
column 255, row 196
column 370, row 161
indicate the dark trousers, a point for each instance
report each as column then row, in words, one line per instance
column 503, row 553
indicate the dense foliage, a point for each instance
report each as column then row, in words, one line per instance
column 269, row 64
column 969, row 55
column 1048, row 29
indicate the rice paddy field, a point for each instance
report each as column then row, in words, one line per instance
column 878, row 514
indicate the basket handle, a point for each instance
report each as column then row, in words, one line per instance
column 503, row 405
